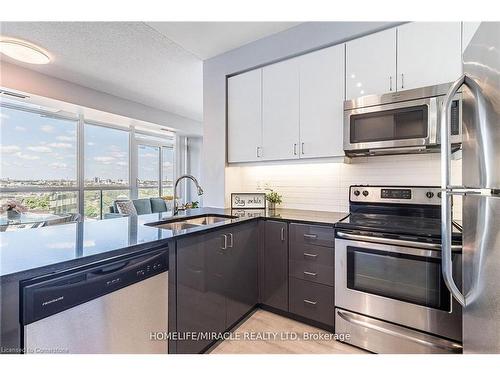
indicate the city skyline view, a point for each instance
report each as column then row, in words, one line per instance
column 36, row 150
column 40, row 152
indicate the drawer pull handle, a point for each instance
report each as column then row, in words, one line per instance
column 310, row 302
column 313, row 236
column 310, row 255
column 224, row 242
column 310, row 273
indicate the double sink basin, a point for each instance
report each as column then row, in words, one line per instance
column 181, row 223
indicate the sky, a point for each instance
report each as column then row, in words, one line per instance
column 35, row 147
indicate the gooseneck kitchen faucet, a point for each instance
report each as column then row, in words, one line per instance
column 192, row 178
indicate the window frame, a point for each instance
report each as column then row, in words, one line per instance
column 79, row 188
column 136, row 141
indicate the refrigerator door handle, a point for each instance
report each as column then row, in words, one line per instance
column 447, row 190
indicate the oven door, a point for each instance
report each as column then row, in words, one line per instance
column 399, row 284
column 397, row 125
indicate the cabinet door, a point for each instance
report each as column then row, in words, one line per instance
column 275, row 275
column 244, row 121
column 200, row 289
column 371, row 64
column 321, row 103
column 429, row 53
column 241, row 272
column 468, row 31
column 280, row 111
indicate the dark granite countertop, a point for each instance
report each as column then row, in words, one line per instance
column 28, row 253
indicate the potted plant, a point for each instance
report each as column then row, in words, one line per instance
column 273, row 198
column 13, row 209
column 194, row 204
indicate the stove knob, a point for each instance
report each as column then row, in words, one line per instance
column 356, row 192
column 439, row 195
column 429, row 194
column 365, row 193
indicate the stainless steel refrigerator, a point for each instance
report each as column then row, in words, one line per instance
column 480, row 290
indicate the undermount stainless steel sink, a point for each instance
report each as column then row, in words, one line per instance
column 209, row 219
column 177, row 224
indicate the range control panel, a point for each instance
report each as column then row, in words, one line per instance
column 396, row 194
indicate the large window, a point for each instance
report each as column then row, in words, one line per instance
column 155, row 166
column 106, row 156
column 106, row 169
column 38, row 160
column 37, row 150
column 148, row 172
column 62, row 164
column 167, row 180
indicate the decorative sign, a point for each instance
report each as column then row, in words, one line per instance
column 248, row 213
column 248, row 200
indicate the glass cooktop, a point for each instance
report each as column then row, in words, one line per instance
column 397, row 224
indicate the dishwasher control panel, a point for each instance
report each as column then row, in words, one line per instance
column 48, row 295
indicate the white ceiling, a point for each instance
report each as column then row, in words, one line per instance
column 209, row 39
column 156, row 64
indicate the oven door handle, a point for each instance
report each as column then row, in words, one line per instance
column 403, row 333
column 395, row 242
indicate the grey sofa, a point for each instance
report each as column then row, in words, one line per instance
column 142, row 206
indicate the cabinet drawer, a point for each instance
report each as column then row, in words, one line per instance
column 312, row 234
column 312, row 272
column 311, row 300
column 311, row 254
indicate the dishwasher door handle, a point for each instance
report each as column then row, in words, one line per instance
column 47, row 295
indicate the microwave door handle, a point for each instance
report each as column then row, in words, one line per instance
column 447, row 189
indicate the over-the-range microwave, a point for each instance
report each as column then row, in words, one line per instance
column 402, row 122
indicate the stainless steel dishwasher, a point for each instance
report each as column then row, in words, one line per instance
column 115, row 306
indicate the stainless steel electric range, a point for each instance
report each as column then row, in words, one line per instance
column 390, row 295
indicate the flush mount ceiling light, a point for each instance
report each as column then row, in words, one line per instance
column 24, row 51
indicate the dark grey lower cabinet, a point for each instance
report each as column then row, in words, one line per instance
column 274, row 276
column 216, row 282
column 201, row 305
column 241, row 272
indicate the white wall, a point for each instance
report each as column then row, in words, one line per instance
column 295, row 41
column 324, row 186
column 15, row 77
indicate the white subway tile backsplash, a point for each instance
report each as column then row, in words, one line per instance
column 325, row 185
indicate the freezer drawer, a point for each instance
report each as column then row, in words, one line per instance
column 385, row 338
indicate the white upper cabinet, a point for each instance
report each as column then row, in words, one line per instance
column 371, row 64
column 244, row 116
column 321, row 102
column 280, row 110
column 429, row 53
column 468, row 31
